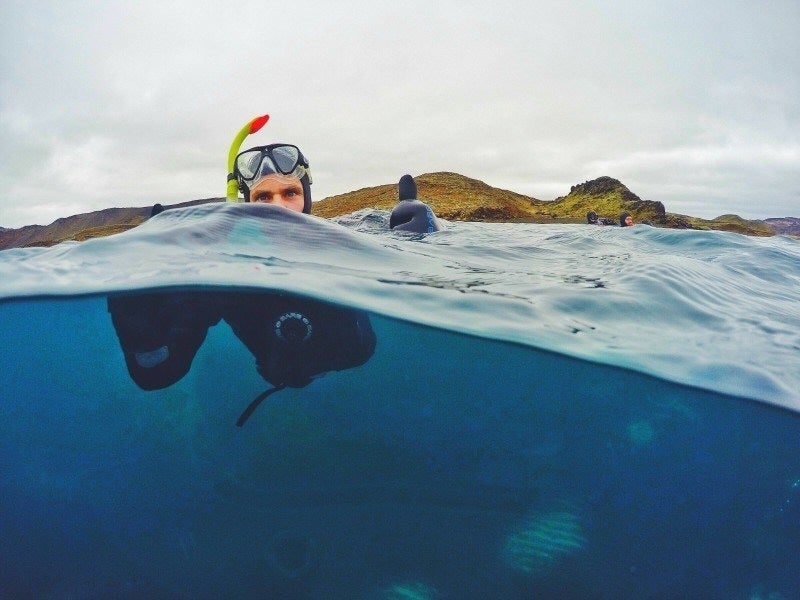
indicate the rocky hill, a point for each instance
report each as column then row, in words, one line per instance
column 83, row 226
column 608, row 198
column 458, row 198
column 452, row 196
column 785, row 225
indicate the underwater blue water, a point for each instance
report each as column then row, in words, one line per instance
column 549, row 411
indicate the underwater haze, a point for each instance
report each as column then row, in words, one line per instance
column 490, row 411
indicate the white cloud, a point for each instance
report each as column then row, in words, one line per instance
column 696, row 112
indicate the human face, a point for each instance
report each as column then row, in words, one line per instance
column 629, row 221
column 282, row 190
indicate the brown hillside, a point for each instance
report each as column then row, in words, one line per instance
column 81, row 227
column 450, row 195
column 733, row 223
column 458, row 198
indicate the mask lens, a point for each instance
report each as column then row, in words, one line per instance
column 248, row 162
column 286, row 158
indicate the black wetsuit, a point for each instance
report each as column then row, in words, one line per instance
column 292, row 338
column 160, row 333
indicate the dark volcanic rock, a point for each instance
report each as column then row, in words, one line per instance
column 601, row 185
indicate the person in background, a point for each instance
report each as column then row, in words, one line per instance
column 411, row 214
column 625, row 220
column 593, row 219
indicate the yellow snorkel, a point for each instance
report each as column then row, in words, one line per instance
column 232, row 191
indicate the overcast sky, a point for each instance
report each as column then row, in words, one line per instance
column 695, row 104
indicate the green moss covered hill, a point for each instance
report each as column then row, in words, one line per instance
column 452, row 196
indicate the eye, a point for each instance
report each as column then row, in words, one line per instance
column 261, row 197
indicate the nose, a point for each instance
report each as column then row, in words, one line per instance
column 281, row 199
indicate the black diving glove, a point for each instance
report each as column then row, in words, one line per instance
column 295, row 339
column 160, row 332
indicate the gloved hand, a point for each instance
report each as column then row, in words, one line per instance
column 294, row 339
column 160, row 332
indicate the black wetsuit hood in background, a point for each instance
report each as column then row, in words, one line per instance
column 407, row 188
column 411, row 214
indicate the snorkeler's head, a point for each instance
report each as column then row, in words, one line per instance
column 591, row 217
column 625, row 220
column 277, row 170
column 407, row 188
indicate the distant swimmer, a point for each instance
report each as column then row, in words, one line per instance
column 593, row 219
column 411, row 214
column 625, row 220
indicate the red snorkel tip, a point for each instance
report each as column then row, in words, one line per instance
column 258, row 123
